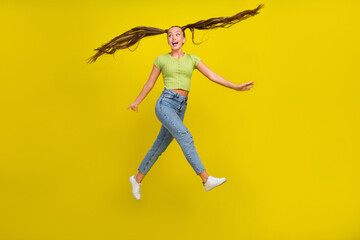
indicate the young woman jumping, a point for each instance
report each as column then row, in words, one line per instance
column 176, row 68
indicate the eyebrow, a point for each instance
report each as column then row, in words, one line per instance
column 176, row 31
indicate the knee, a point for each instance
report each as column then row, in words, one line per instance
column 187, row 137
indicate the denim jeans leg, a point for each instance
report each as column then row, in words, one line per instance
column 168, row 116
column 162, row 141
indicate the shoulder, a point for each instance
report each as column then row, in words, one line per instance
column 195, row 59
column 160, row 60
column 161, row 57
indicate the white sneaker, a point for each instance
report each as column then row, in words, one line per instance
column 213, row 182
column 135, row 187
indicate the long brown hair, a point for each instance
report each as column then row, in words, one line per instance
column 134, row 35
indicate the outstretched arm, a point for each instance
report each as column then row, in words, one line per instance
column 222, row 81
column 146, row 89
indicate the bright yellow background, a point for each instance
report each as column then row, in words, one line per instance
column 289, row 147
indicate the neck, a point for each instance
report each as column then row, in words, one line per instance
column 177, row 53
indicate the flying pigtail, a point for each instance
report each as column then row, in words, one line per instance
column 224, row 22
column 125, row 40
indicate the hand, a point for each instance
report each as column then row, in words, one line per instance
column 133, row 107
column 244, row 86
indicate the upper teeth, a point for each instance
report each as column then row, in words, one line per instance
column 175, row 42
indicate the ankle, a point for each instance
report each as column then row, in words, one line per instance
column 205, row 179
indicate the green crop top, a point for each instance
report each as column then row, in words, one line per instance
column 177, row 72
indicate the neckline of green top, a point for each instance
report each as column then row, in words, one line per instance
column 176, row 57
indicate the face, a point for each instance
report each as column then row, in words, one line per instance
column 175, row 35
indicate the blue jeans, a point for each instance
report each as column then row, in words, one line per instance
column 170, row 110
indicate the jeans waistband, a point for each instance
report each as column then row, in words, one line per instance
column 175, row 94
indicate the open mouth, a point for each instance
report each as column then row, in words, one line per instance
column 175, row 43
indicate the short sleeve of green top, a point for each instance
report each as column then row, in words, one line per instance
column 177, row 72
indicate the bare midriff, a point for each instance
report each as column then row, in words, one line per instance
column 181, row 92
